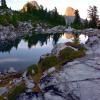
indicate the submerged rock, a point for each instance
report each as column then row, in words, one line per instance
column 12, row 70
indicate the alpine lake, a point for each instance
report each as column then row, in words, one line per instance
column 26, row 51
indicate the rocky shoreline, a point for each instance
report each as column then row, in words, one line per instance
column 78, row 80
column 11, row 33
column 25, row 28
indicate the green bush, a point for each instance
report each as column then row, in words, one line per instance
column 8, row 19
column 14, row 21
column 16, row 91
column 33, row 67
column 76, row 40
column 68, row 54
column 4, row 20
column 48, row 62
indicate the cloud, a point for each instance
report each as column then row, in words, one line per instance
column 5, row 60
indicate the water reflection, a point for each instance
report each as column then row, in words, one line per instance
column 83, row 38
column 37, row 38
column 34, row 40
column 69, row 35
column 6, row 46
column 23, row 52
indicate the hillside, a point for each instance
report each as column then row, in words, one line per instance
column 33, row 12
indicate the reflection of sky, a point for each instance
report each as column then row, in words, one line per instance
column 83, row 38
column 23, row 56
column 10, row 60
column 23, row 45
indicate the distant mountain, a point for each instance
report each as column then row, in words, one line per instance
column 32, row 4
column 70, row 15
column 70, row 11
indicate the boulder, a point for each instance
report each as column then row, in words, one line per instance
column 51, row 70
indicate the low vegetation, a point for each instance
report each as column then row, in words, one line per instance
column 33, row 69
column 65, row 55
column 16, row 91
column 48, row 62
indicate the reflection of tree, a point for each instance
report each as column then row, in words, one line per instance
column 36, row 38
column 41, row 39
column 6, row 46
column 56, row 38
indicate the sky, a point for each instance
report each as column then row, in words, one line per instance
column 81, row 5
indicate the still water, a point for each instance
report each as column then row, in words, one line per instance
column 24, row 52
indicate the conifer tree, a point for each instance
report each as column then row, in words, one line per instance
column 3, row 4
column 77, row 21
column 92, row 14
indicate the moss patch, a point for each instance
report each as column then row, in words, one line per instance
column 48, row 62
column 32, row 68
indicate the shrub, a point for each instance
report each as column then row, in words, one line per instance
column 4, row 20
column 68, row 54
column 33, row 67
column 76, row 40
column 14, row 21
column 48, row 62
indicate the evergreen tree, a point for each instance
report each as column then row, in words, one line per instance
column 3, row 4
column 92, row 14
column 77, row 21
column 77, row 17
column 86, row 23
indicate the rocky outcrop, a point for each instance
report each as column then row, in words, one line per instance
column 70, row 11
column 79, row 79
column 32, row 4
column 91, row 32
column 48, row 30
column 6, row 11
column 69, row 15
column 56, row 29
column 11, row 33
column 82, row 76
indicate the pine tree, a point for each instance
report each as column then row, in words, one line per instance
column 92, row 14
column 77, row 17
column 86, row 23
column 77, row 21
column 3, row 4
